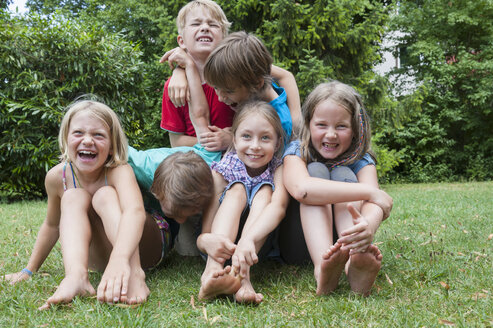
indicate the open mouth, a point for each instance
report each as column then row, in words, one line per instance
column 86, row 154
column 204, row 39
column 329, row 145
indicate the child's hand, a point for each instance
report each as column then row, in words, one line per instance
column 219, row 247
column 382, row 199
column 14, row 278
column 358, row 237
column 178, row 91
column 244, row 257
column 216, row 139
column 114, row 283
column 179, row 57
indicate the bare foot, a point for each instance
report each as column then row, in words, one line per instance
column 363, row 269
column 331, row 267
column 68, row 289
column 246, row 293
column 223, row 282
column 137, row 288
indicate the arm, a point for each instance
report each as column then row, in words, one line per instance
column 361, row 235
column 178, row 85
column 287, row 81
column 49, row 232
column 314, row 191
column 198, row 106
column 179, row 140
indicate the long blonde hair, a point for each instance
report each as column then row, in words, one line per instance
column 100, row 111
column 347, row 97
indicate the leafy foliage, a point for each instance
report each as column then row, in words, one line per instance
column 46, row 64
column 451, row 54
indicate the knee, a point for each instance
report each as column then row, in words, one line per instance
column 103, row 196
column 318, row 170
column 343, row 174
column 76, row 197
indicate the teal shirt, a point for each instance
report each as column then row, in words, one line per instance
column 145, row 162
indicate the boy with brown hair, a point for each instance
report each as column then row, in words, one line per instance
column 175, row 184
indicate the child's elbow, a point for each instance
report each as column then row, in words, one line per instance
column 299, row 193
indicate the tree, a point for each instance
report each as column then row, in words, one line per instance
column 314, row 39
column 46, row 63
column 451, row 56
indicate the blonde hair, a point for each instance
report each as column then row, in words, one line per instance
column 214, row 9
column 241, row 59
column 268, row 112
column 183, row 180
column 348, row 98
column 107, row 116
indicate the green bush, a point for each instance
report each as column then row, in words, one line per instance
column 450, row 53
column 46, row 63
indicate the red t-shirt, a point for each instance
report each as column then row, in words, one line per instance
column 178, row 119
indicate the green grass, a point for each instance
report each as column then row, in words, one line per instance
column 437, row 270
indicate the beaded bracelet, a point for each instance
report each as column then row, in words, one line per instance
column 27, row 271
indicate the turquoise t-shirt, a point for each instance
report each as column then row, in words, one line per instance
column 145, row 162
column 282, row 109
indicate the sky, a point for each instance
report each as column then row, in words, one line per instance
column 20, row 4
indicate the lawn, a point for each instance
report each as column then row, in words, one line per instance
column 437, row 271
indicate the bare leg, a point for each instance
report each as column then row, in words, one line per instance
column 215, row 279
column 328, row 261
column 246, row 293
column 106, row 204
column 75, row 235
column 363, row 269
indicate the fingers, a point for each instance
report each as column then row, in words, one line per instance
column 45, row 306
column 166, row 55
column 123, row 295
column 354, row 213
column 117, row 287
column 113, row 290
column 229, row 246
column 235, row 263
column 102, row 290
column 14, row 278
column 177, row 96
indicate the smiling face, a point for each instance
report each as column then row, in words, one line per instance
column 330, row 129
column 201, row 33
column 255, row 142
column 88, row 141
